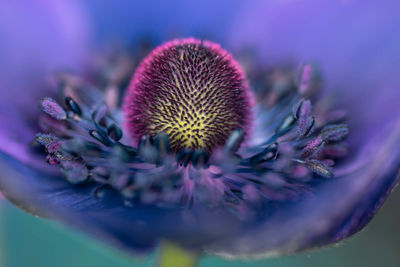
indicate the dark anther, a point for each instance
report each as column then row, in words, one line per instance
column 319, row 168
column 269, row 153
column 303, row 109
column 147, row 150
column 100, row 137
column 334, row 132
column 184, row 156
column 234, row 140
column 45, row 139
column 73, row 106
column 286, row 124
column 307, row 127
column 200, row 158
column 126, row 153
column 313, row 147
column 62, row 156
column 297, row 109
column 162, row 144
column 114, row 132
column 145, row 141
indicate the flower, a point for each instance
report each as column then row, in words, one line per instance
column 262, row 183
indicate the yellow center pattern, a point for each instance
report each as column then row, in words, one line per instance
column 196, row 96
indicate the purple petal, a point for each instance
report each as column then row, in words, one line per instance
column 135, row 229
column 52, row 197
column 307, row 30
column 354, row 42
column 37, row 39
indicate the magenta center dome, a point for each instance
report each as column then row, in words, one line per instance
column 192, row 90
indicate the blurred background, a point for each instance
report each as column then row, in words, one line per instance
column 30, row 241
column 355, row 42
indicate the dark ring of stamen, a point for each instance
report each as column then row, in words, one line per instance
column 297, row 150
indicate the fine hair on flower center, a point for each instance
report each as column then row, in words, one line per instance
column 191, row 90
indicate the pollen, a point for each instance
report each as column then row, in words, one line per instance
column 192, row 90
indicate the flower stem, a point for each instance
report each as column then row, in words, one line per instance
column 172, row 256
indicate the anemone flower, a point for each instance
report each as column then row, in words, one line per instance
column 208, row 147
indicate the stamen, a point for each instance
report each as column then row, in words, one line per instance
column 53, row 109
column 73, row 106
column 319, row 168
column 184, row 156
column 313, row 147
column 147, row 150
column 46, row 139
column 114, row 132
column 235, row 140
column 200, row 159
column 74, row 172
column 101, row 137
column 335, row 132
column 189, row 107
column 163, row 144
column 269, row 153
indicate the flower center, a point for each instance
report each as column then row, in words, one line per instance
column 191, row 96
column 193, row 91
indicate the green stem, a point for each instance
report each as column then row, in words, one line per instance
column 174, row 256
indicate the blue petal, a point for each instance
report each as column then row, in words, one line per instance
column 162, row 20
column 50, row 196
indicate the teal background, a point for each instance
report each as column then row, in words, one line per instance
column 30, row 241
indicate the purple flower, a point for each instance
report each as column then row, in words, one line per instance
column 211, row 160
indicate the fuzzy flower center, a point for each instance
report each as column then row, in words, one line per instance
column 193, row 91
